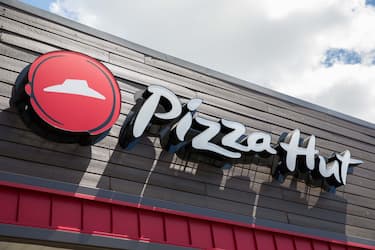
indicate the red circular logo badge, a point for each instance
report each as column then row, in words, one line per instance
column 73, row 92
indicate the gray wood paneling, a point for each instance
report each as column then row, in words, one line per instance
column 71, row 34
column 286, row 107
column 358, row 151
column 246, row 189
column 51, row 39
column 223, row 94
column 143, row 151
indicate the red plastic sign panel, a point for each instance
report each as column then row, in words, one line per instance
column 73, row 92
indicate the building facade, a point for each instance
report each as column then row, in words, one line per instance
column 124, row 190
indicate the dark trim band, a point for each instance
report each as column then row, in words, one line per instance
column 80, row 238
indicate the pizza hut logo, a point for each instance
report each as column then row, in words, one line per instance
column 68, row 96
column 71, row 97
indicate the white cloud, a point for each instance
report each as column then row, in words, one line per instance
column 277, row 44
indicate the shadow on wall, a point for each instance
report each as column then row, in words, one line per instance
column 292, row 202
column 24, row 152
column 247, row 189
column 302, row 205
column 148, row 171
column 129, row 171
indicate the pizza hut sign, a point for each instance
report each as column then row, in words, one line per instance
column 70, row 97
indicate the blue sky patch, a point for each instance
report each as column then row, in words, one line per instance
column 41, row 4
column 344, row 56
column 370, row 2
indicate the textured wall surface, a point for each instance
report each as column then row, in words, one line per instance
column 148, row 171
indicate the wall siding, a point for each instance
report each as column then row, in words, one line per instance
column 249, row 189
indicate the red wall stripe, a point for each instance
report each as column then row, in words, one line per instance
column 96, row 217
column 177, row 230
column 77, row 212
column 265, row 240
column 244, row 238
column 284, row 242
column 66, row 213
column 125, row 222
column 301, row 243
column 319, row 245
column 223, row 236
column 8, row 204
column 152, row 226
column 34, row 209
column 337, row 247
column 201, row 234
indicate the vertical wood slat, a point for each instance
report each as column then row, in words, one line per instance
column 164, row 227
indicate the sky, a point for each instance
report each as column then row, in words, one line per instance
column 321, row 51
